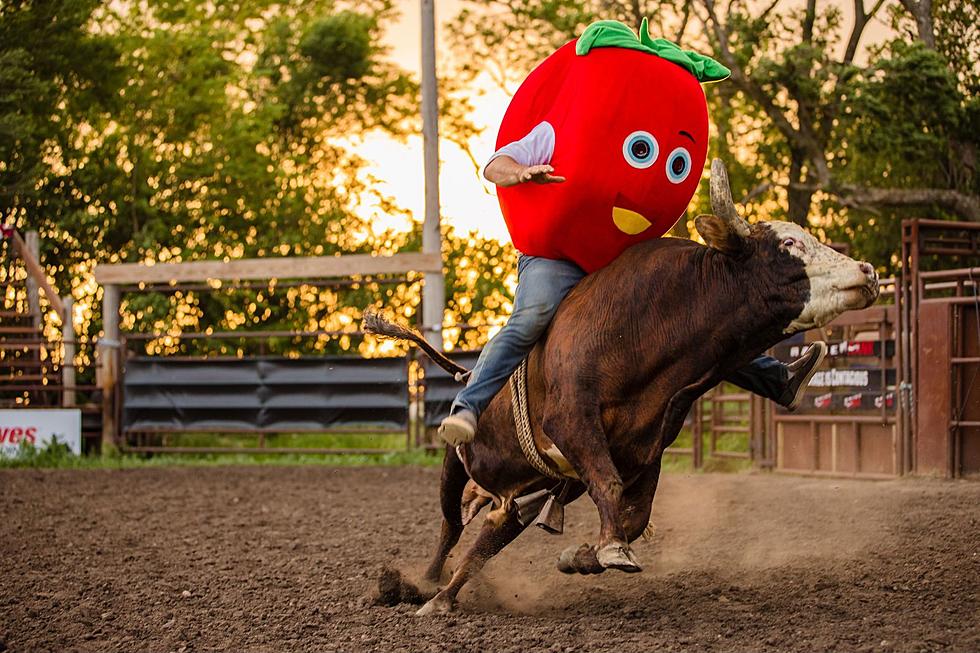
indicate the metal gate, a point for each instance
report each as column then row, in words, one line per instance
column 723, row 426
column 947, row 419
column 847, row 423
column 940, row 347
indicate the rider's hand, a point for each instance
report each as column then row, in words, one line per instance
column 540, row 175
column 505, row 171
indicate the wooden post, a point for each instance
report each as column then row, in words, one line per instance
column 32, row 245
column 263, row 269
column 68, row 362
column 36, row 277
column 109, row 365
column 433, row 291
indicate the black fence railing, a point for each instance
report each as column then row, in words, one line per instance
column 265, row 394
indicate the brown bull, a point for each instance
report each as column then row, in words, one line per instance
column 629, row 351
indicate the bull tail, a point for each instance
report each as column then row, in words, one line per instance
column 373, row 322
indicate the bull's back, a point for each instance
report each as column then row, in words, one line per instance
column 658, row 271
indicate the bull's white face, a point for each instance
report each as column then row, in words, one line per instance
column 838, row 283
column 802, row 270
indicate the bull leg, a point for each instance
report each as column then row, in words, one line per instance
column 500, row 527
column 450, row 495
column 636, row 506
column 577, row 430
column 638, row 501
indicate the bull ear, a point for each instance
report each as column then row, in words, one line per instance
column 719, row 234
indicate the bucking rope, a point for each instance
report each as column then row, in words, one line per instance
column 522, row 420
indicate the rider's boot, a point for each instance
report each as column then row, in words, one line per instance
column 801, row 371
column 458, row 428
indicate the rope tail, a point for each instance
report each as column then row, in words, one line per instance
column 374, row 323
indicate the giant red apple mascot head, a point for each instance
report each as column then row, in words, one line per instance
column 630, row 133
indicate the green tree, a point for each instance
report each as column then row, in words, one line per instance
column 787, row 66
column 505, row 39
column 175, row 130
column 55, row 77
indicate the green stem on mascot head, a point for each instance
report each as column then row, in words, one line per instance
column 614, row 34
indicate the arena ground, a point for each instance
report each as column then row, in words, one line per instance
column 283, row 558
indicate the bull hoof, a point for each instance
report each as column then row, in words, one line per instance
column 565, row 560
column 617, row 555
column 440, row 604
column 579, row 560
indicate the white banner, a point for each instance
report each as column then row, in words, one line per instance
column 39, row 427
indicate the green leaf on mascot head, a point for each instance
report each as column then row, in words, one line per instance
column 614, row 34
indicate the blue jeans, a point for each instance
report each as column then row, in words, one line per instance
column 541, row 285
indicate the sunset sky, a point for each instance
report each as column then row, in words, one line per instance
column 467, row 204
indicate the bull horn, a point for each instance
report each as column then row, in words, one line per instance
column 722, row 204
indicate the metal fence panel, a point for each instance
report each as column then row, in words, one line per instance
column 264, row 394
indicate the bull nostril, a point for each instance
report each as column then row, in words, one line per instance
column 867, row 268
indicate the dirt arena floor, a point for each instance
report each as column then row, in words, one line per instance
column 272, row 559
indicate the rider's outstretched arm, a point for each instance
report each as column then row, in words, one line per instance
column 505, row 171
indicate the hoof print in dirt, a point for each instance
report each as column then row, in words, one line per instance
column 394, row 589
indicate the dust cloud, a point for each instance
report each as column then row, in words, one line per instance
column 736, row 531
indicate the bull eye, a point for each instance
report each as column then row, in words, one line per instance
column 640, row 149
column 789, row 242
column 678, row 165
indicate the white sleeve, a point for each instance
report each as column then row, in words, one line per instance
column 534, row 149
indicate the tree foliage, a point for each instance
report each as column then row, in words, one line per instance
column 505, row 40
column 173, row 130
column 852, row 147
column 54, row 76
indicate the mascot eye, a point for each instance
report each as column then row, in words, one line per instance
column 678, row 165
column 640, row 149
